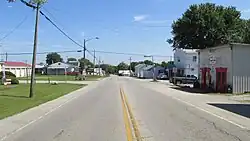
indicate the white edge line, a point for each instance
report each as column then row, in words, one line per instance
column 243, row 127
column 39, row 118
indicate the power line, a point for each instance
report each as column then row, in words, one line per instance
column 15, row 28
column 64, row 33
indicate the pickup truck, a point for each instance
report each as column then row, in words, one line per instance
column 186, row 79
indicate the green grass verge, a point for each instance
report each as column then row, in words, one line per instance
column 14, row 98
column 61, row 78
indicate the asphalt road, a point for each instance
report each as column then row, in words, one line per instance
column 98, row 116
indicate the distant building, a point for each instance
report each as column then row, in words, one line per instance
column 20, row 69
column 138, row 70
column 61, row 68
column 225, row 66
column 186, row 61
column 125, row 72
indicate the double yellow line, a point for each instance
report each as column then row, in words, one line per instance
column 129, row 119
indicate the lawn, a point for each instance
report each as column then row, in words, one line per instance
column 61, row 77
column 14, row 98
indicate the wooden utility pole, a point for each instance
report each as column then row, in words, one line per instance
column 130, row 59
column 34, row 52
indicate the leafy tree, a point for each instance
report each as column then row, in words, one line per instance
column 53, row 58
column 123, row 66
column 133, row 64
column 112, row 69
column 148, row 62
column 208, row 25
column 85, row 62
column 32, row 1
column 164, row 64
column 71, row 59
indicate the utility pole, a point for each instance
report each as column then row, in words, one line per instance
column 94, row 59
column 130, row 59
column 6, row 56
column 84, row 49
column 99, row 66
column 34, row 52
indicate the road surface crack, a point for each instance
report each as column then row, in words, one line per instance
column 58, row 134
column 214, row 125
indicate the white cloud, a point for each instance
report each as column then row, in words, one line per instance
column 9, row 6
column 139, row 18
column 245, row 10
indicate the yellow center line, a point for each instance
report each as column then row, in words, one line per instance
column 126, row 119
column 128, row 114
column 133, row 120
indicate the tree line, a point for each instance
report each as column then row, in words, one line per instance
column 208, row 25
column 111, row 69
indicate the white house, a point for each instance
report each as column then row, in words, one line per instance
column 138, row 70
column 20, row 69
column 125, row 72
column 186, row 61
column 148, row 71
column 60, row 68
column 226, row 65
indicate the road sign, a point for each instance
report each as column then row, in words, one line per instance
column 174, row 70
column 212, row 60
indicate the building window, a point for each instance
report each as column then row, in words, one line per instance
column 192, row 69
column 194, row 58
column 179, row 60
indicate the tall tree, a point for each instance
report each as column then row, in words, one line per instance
column 71, row 59
column 53, row 58
column 207, row 25
column 122, row 66
column 148, row 62
column 85, row 63
column 133, row 64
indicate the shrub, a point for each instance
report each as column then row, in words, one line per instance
column 8, row 73
column 14, row 81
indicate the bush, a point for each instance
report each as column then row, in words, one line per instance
column 14, row 81
column 7, row 73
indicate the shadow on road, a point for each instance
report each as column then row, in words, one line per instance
column 13, row 96
column 240, row 109
column 190, row 90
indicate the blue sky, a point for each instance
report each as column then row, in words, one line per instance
column 136, row 26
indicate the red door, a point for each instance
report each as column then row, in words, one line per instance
column 221, row 80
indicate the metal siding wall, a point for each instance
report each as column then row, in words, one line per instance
column 241, row 68
column 223, row 59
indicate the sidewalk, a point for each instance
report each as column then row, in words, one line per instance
column 70, row 82
column 221, row 106
column 17, row 122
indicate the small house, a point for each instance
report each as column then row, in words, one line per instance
column 20, row 69
column 138, row 70
column 61, row 68
column 225, row 68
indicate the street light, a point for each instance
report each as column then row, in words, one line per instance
column 84, row 45
column 152, row 57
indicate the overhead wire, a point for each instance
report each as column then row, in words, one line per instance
column 15, row 28
column 64, row 33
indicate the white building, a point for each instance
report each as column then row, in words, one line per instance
column 125, row 72
column 138, row 70
column 61, row 68
column 20, row 69
column 186, row 61
column 224, row 66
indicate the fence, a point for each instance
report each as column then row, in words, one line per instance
column 241, row 84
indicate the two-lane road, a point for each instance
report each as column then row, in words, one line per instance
column 98, row 115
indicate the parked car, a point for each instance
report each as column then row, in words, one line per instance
column 162, row 76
